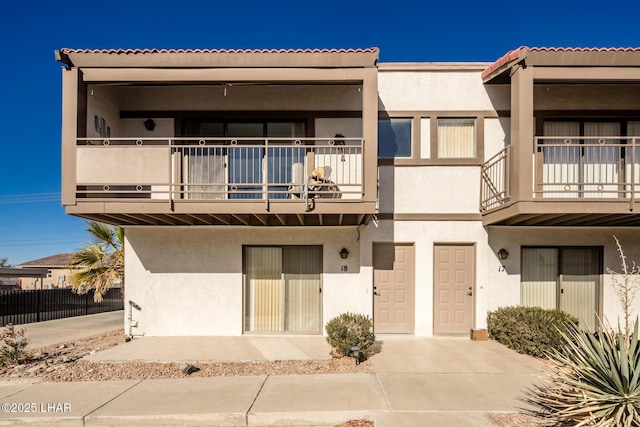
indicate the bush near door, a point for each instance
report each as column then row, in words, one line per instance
column 529, row 330
column 349, row 330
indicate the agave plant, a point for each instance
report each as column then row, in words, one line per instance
column 593, row 381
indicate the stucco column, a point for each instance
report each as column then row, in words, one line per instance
column 522, row 133
column 69, row 133
column 370, row 133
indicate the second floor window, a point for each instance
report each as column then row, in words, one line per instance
column 456, row 138
column 394, row 138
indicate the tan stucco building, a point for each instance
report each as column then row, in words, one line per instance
column 58, row 273
column 267, row 191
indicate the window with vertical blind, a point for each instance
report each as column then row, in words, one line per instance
column 566, row 278
column 456, row 138
column 283, row 289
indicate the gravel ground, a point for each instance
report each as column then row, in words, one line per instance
column 62, row 363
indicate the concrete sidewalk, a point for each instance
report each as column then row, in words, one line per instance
column 418, row 382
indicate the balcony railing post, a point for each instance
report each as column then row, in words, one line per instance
column 633, row 173
column 265, row 178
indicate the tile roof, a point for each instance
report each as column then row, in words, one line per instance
column 584, row 49
column 508, row 57
column 522, row 51
column 58, row 260
column 143, row 51
column 197, row 58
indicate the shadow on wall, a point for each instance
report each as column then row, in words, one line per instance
column 218, row 251
column 505, row 252
column 195, row 251
column 388, row 149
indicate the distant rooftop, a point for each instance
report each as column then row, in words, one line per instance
column 53, row 261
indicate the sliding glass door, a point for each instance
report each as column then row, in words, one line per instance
column 238, row 164
column 582, row 162
column 282, row 289
column 567, row 278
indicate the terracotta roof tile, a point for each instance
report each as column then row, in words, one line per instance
column 514, row 54
column 510, row 56
column 584, row 49
column 144, row 51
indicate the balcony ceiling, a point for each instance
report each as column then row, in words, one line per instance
column 566, row 213
column 183, row 219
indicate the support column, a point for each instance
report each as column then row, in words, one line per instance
column 69, row 133
column 370, row 134
column 522, row 133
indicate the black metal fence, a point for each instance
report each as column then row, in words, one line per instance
column 19, row 307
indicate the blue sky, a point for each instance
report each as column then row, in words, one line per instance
column 32, row 222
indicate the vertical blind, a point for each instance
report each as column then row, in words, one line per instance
column 456, row 138
column 282, row 289
column 563, row 278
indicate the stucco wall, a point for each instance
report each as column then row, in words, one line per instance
column 102, row 101
column 241, row 97
column 188, row 280
column 429, row 189
column 420, row 90
column 586, row 97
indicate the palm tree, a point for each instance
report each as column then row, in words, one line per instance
column 100, row 264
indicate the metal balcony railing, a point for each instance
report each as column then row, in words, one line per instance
column 494, row 180
column 218, row 169
column 571, row 167
column 586, row 167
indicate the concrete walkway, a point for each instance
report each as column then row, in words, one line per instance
column 418, row 382
column 42, row 334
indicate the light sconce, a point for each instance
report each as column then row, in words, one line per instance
column 149, row 124
column 344, row 253
column 503, row 254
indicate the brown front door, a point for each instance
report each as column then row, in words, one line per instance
column 393, row 288
column 453, row 286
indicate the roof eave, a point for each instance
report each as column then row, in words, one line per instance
column 325, row 58
column 500, row 70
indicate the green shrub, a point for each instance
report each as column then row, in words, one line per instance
column 529, row 330
column 594, row 380
column 348, row 330
column 12, row 345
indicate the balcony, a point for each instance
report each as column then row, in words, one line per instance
column 221, row 181
column 576, row 181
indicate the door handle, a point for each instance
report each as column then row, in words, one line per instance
column 470, row 293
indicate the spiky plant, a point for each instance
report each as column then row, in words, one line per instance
column 593, row 381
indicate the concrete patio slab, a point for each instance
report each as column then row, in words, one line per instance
column 222, row 401
column 216, row 349
column 450, row 355
column 48, row 404
column 294, row 400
